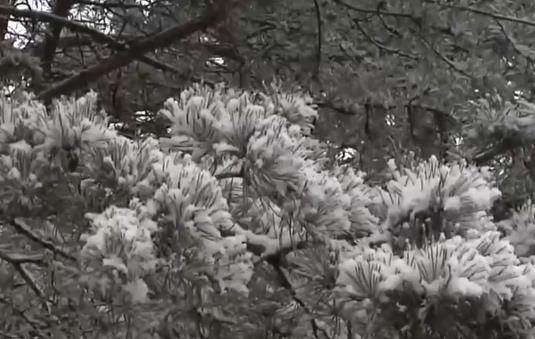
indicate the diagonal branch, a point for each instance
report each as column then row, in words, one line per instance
column 77, row 27
column 382, row 46
column 495, row 16
column 377, row 11
column 25, row 229
column 445, row 59
column 123, row 58
column 17, row 258
column 18, row 261
column 457, row 7
column 54, row 19
column 518, row 48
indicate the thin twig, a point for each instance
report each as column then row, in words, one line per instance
column 30, row 280
column 446, row 60
column 492, row 15
column 320, row 36
column 381, row 45
column 25, row 229
column 137, row 50
column 512, row 41
column 377, row 11
column 458, row 7
column 96, row 35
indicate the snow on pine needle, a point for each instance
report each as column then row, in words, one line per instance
column 276, row 157
column 75, row 124
column 120, row 241
column 125, row 164
column 455, row 270
column 460, row 194
column 363, row 222
column 222, row 119
column 62, row 133
column 240, row 180
column 193, row 201
column 20, row 174
column 295, row 106
column 520, row 229
column 20, row 117
column 495, row 118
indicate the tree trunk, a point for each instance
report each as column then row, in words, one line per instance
column 4, row 20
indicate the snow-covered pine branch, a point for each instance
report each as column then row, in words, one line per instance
column 176, row 228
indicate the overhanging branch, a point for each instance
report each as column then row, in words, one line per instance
column 137, row 50
column 95, row 35
column 23, row 228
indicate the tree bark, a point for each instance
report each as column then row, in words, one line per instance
column 4, row 20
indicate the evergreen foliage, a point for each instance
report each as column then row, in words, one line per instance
column 239, row 223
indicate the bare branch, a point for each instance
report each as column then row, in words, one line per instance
column 320, row 36
column 25, row 229
column 18, row 261
column 30, row 280
column 381, row 46
column 514, row 44
column 17, row 258
column 492, row 15
column 377, row 11
column 77, row 27
column 58, row 20
column 445, row 59
column 137, row 50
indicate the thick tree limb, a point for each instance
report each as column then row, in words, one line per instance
column 123, row 58
column 17, row 258
column 4, row 20
column 77, row 27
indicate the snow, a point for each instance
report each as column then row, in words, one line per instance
column 282, row 183
column 138, row 290
column 462, row 191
